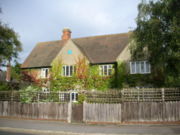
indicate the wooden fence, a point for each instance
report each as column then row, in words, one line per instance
column 49, row 110
column 113, row 96
column 132, row 112
column 150, row 111
column 127, row 105
column 35, row 96
column 95, row 112
column 134, row 95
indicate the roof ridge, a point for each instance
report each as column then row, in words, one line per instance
column 125, row 33
column 48, row 41
column 45, row 42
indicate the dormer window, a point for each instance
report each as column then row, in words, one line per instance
column 44, row 72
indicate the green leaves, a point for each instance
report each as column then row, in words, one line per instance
column 158, row 30
column 9, row 43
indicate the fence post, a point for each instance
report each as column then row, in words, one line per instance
column 11, row 95
column 138, row 95
column 59, row 95
column 38, row 97
column 162, row 92
column 84, row 111
column 69, row 109
column 143, row 94
column 122, row 95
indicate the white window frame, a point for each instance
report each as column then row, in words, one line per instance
column 68, row 74
column 102, row 70
column 145, row 64
column 43, row 72
column 74, row 96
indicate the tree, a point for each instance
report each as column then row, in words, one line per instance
column 157, row 38
column 16, row 72
column 10, row 45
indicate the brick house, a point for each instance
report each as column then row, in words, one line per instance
column 104, row 51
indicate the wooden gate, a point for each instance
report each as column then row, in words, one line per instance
column 77, row 112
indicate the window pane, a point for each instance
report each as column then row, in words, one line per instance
column 133, row 67
column 76, row 97
column 137, row 67
column 105, row 70
column 46, row 73
column 110, row 71
column 147, row 67
column 71, row 70
column 67, row 71
column 64, row 73
column 142, row 66
column 73, row 96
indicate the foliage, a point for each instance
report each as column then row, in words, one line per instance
column 125, row 80
column 56, row 70
column 122, row 73
column 16, row 72
column 157, row 39
column 58, row 82
column 81, row 98
column 30, row 76
column 8, row 86
column 10, row 45
column 4, row 86
column 86, row 77
column 81, row 68
column 27, row 94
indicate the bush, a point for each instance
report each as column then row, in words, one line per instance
column 4, row 86
column 81, row 98
column 28, row 93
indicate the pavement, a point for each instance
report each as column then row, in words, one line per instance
column 44, row 127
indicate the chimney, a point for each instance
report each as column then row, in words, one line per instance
column 66, row 34
column 8, row 72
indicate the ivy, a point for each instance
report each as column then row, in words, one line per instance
column 86, row 77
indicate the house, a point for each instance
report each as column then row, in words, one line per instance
column 104, row 51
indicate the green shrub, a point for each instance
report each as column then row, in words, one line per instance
column 28, row 93
column 5, row 86
column 81, row 98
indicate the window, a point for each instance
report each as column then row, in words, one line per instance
column 68, row 70
column 74, row 96
column 44, row 72
column 140, row 67
column 105, row 70
column 45, row 89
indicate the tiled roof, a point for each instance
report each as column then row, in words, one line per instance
column 98, row 49
column 102, row 49
column 43, row 54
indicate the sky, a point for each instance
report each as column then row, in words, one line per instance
column 43, row 20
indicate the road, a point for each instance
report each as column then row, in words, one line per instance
column 37, row 127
